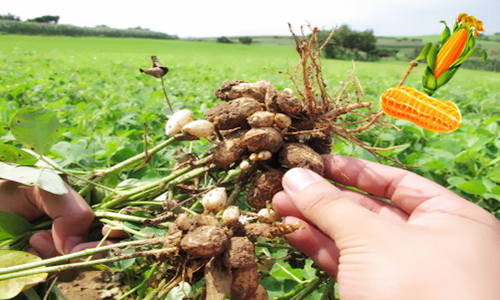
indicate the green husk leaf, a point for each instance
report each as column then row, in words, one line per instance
column 36, row 128
column 424, row 52
column 446, row 76
column 429, row 82
column 459, row 61
column 12, row 287
column 471, row 40
column 12, row 225
column 11, row 154
column 431, row 56
column 445, row 34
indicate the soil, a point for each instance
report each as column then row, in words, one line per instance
column 92, row 285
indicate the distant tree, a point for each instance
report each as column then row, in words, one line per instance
column 224, row 40
column 346, row 43
column 386, row 52
column 9, row 17
column 45, row 19
column 366, row 42
column 245, row 40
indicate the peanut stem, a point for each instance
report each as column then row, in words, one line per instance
column 413, row 64
column 150, row 190
column 83, row 264
column 131, row 161
column 78, row 254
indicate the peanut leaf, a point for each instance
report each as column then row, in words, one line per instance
column 12, row 225
column 15, row 155
column 45, row 179
column 475, row 187
column 12, row 287
column 36, row 128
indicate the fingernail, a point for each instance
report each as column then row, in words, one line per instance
column 298, row 179
column 71, row 242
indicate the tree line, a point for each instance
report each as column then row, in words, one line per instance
column 48, row 25
column 245, row 40
column 42, row 19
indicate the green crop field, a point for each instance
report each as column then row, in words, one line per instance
column 103, row 101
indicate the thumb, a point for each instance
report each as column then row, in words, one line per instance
column 328, row 208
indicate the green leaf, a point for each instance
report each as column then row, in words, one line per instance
column 37, row 129
column 15, row 155
column 431, row 56
column 429, row 82
column 387, row 137
column 12, row 225
column 491, row 196
column 459, row 61
column 12, row 287
column 493, row 174
column 475, row 187
column 445, row 34
column 446, row 76
column 484, row 56
column 471, row 41
column 496, row 190
column 125, row 263
column 424, row 52
column 4, row 128
column 45, row 179
column 455, row 27
column 455, row 181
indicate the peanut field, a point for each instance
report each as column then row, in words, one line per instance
column 109, row 112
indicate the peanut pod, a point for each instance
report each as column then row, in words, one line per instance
column 406, row 103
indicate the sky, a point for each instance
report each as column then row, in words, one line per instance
column 214, row 18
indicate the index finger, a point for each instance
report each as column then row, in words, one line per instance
column 405, row 189
column 71, row 217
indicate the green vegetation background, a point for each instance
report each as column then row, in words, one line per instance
column 102, row 100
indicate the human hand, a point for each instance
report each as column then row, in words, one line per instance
column 427, row 243
column 71, row 216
